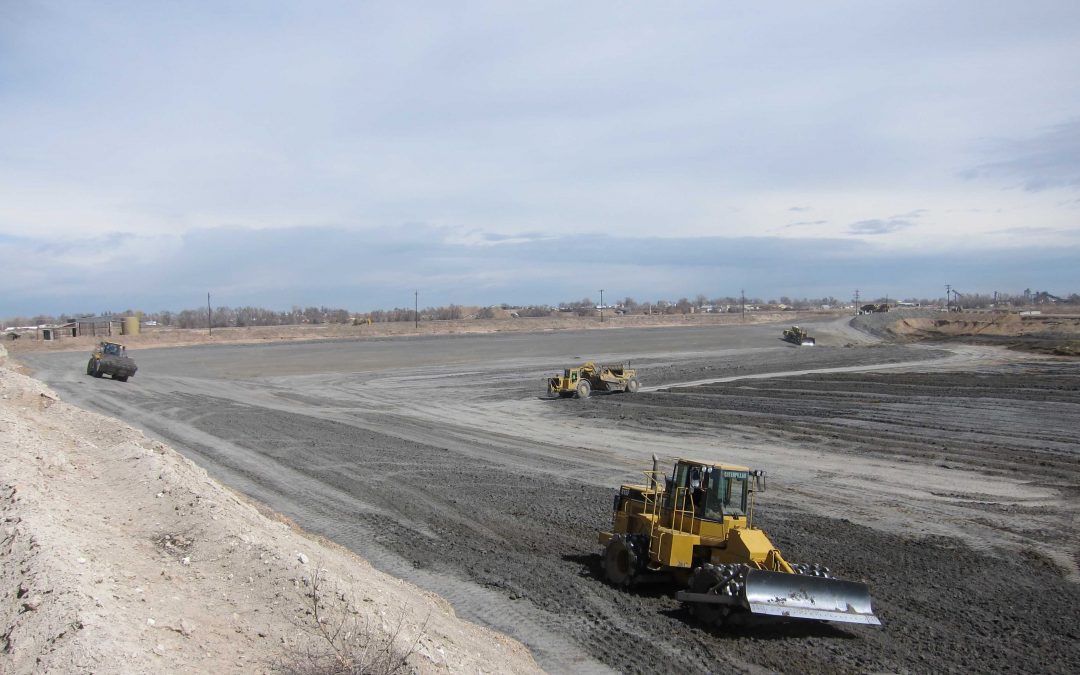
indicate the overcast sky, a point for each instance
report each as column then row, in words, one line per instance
column 346, row 153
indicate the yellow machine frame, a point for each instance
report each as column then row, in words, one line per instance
column 696, row 528
column 679, row 539
column 582, row 380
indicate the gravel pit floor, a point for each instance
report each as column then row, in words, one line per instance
column 949, row 485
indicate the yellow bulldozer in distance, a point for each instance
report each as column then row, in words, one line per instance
column 798, row 336
column 589, row 377
column 695, row 528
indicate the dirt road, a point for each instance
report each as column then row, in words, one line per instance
column 948, row 484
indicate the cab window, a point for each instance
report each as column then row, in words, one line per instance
column 734, row 493
column 726, row 495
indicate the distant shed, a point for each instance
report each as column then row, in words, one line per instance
column 57, row 332
column 105, row 326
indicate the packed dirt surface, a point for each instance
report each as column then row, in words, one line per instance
column 167, row 336
column 944, row 477
column 118, row 555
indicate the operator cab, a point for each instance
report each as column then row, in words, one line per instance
column 716, row 490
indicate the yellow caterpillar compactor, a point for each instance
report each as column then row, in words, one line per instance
column 589, row 377
column 110, row 358
column 695, row 528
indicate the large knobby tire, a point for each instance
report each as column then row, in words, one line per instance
column 583, row 389
column 97, row 369
column 122, row 378
column 632, row 386
column 90, row 367
column 624, row 559
column 704, row 580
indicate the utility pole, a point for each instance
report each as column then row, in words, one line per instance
column 856, row 302
column 209, row 316
column 742, row 305
column 948, row 298
column 416, row 308
column 601, row 305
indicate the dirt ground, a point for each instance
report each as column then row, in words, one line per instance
column 1051, row 333
column 118, row 555
column 167, row 336
column 946, row 477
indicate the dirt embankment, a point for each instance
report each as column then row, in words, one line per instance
column 1048, row 333
column 119, row 555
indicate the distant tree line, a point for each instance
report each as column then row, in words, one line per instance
column 223, row 317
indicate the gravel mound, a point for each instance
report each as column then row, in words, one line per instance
column 879, row 324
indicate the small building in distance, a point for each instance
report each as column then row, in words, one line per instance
column 106, row 326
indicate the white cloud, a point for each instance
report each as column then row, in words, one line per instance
column 510, row 121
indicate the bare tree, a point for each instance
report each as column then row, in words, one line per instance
column 341, row 644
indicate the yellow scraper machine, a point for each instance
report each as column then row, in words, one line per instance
column 580, row 381
column 695, row 528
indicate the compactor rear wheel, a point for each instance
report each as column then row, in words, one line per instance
column 583, row 389
column 624, row 558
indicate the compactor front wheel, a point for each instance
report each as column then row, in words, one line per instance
column 708, row 580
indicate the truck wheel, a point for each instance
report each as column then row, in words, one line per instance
column 632, row 386
column 583, row 389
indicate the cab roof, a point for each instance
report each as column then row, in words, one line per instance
column 718, row 465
